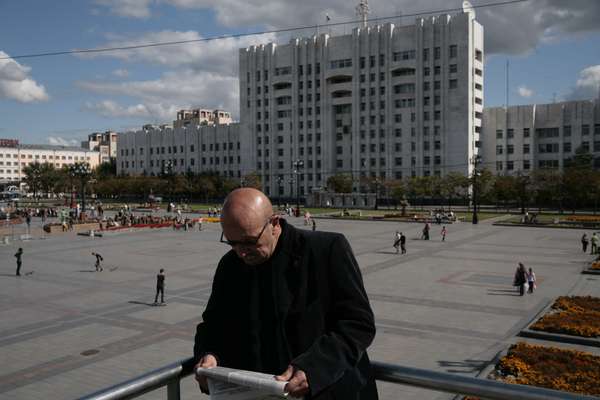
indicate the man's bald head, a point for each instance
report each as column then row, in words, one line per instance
column 246, row 207
column 250, row 226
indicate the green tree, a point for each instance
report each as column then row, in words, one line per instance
column 453, row 185
column 252, row 180
column 48, row 177
column 33, row 177
column 107, row 169
column 340, row 183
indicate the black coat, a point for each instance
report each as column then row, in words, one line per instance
column 322, row 312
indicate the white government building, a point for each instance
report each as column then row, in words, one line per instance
column 386, row 101
column 526, row 137
column 14, row 157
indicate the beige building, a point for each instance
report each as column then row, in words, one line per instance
column 201, row 117
column 104, row 143
column 14, row 157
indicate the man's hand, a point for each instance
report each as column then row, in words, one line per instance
column 297, row 385
column 208, row 361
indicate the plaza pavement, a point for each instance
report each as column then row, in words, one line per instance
column 66, row 331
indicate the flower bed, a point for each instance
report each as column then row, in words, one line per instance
column 583, row 218
column 575, row 315
column 549, row 367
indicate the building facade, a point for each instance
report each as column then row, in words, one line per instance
column 201, row 117
column 383, row 102
column 526, row 137
column 104, row 143
column 14, row 157
column 156, row 150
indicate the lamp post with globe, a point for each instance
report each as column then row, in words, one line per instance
column 83, row 172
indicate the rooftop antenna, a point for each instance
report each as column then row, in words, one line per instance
column 362, row 11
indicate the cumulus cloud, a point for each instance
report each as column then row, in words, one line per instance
column 537, row 21
column 587, row 85
column 524, row 91
column 15, row 84
column 155, row 111
column 127, row 8
column 59, row 141
column 215, row 55
column 121, row 73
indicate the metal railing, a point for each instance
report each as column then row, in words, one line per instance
column 172, row 374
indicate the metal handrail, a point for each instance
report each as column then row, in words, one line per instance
column 171, row 375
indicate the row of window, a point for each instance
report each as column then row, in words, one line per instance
column 192, row 161
column 173, row 149
column 43, row 157
column 549, row 147
column 552, row 132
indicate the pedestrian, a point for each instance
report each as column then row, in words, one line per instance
column 19, row 257
column 520, row 278
column 98, row 262
column 584, row 242
column 160, row 286
column 314, row 224
column 397, row 242
column 300, row 306
column 28, row 221
column 594, row 243
column 444, row 233
column 200, row 224
column 426, row 231
column 402, row 243
column 531, row 281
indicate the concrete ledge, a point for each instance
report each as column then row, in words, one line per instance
column 590, row 271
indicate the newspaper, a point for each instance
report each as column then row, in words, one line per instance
column 236, row 384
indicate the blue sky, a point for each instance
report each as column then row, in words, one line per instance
column 552, row 47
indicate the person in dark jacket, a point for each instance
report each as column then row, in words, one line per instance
column 160, row 286
column 19, row 257
column 521, row 278
column 287, row 302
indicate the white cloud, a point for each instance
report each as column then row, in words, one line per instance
column 59, row 141
column 524, row 91
column 214, row 55
column 121, row 73
column 587, row 85
column 15, row 83
column 154, row 111
column 127, row 8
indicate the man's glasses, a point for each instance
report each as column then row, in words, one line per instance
column 250, row 242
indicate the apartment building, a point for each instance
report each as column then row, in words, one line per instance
column 200, row 116
column 525, row 137
column 14, row 157
column 386, row 101
column 154, row 150
column 104, row 143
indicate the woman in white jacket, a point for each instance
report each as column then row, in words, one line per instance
column 531, row 281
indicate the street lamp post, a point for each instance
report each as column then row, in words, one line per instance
column 476, row 161
column 376, row 191
column 82, row 171
column 297, row 165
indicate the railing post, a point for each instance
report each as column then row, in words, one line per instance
column 173, row 390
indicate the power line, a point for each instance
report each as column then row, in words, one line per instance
column 258, row 33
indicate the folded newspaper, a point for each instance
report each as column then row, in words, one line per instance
column 237, row 384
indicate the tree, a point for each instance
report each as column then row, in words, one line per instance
column 453, row 185
column 107, row 169
column 504, row 189
column 48, row 177
column 340, row 183
column 252, row 180
column 33, row 177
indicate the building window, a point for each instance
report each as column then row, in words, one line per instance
column 453, row 51
column 499, row 133
column 526, row 132
column 499, row 149
column 526, row 148
column 453, row 68
column 437, row 53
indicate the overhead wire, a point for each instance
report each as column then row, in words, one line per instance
column 257, row 33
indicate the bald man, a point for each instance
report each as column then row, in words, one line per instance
column 287, row 302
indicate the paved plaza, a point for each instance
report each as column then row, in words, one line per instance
column 66, row 330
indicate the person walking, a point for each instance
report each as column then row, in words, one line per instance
column 594, row 243
column 531, row 281
column 402, row 243
column 397, row 242
column 98, row 264
column 584, row 242
column 443, row 233
column 160, row 286
column 314, row 224
column 520, row 278
column 19, row 257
